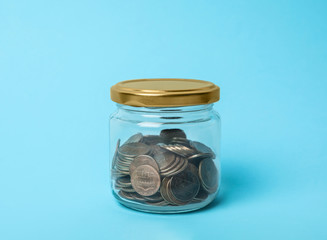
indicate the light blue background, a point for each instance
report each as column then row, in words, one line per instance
column 58, row 60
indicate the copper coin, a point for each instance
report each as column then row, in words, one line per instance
column 143, row 160
column 145, row 180
column 208, row 174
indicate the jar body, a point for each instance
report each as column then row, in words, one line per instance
column 167, row 159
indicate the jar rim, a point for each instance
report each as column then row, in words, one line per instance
column 164, row 92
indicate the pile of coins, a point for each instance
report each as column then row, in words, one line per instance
column 164, row 169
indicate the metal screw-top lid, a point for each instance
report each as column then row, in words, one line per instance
column 164, row 92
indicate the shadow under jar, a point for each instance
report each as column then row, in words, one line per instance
column 165, row 144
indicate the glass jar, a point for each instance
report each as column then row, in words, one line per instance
column 165, row 144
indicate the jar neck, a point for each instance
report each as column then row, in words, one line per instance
column 168, row 110
column 165, row 115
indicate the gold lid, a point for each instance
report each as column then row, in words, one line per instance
column 164, row 92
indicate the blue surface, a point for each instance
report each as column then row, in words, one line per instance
column 57, row 62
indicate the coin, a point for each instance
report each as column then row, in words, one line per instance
column 152, row 139
column 202, row 148
column 173, row 200
column 154, row 198
column 184, row 186
column 114, row 159
column 173, row 132
column 131, row 196
column 180, row 140
column 164, row 170
column 135, row 138
column 179, row 168
column 134, row 149
column 191, row 167
column 178, row 149
column 117, row 174
column 164, row 190
column 143, row 160
column 122, row 169
column 163, row 158
column 201, row 196
column 208, row 174
column 124, row 181
column 177, row 163
column 145, row 180
column 124, row 195
column 196, row 158
column 137, row 197
column 127, row 189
